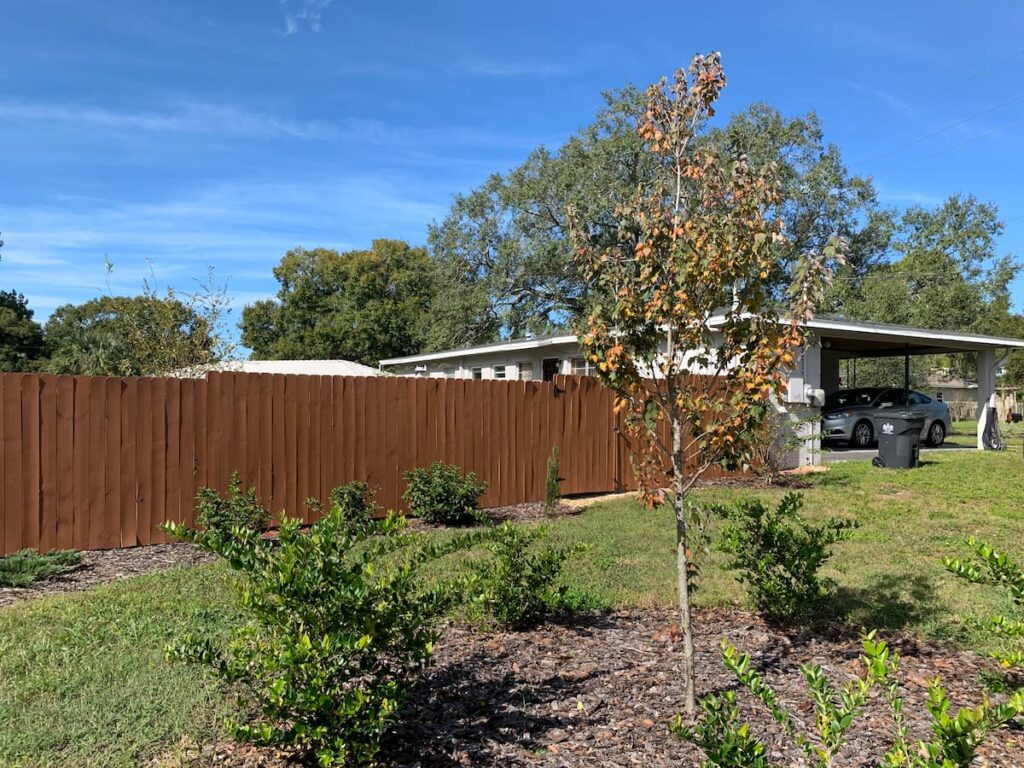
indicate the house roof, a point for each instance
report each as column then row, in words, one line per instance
column 853, row 337
column 305, row 367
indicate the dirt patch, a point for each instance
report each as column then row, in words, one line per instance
column 110, row 565
column 600, row 691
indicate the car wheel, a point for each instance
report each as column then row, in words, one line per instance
column 936, row 434
column 863, row 434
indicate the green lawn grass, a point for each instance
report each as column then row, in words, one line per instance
column 83, row 681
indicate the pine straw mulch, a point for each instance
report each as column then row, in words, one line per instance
column 104, row 566
column 599, row 691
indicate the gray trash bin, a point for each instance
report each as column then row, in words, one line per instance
column 899, row 440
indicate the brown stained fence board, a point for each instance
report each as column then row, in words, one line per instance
column 522, row 458
column 313, row 490
column 13, row 464
column 239, row 427
column 342, row 390
column 32, row 481
column 280, row 446
column 97, row 461
column 172, row 462
column 375, row 430
column 65, row 488
column 186, row 451
column 48, row 463
column 144, row 460
column 325, row 419
column 129, row 462
column 201, row 471
column 111, row 514
column 392, row 434
column 507, row 459
column 355, row 428
column 289, row 471
column 252, row 431
column 158, row 500
column 80, row 464
column 211, row 429
column 266, row 439
column 302, row 445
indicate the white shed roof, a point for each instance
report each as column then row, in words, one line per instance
column 304, row 367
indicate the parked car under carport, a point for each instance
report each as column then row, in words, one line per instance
column 849, row 414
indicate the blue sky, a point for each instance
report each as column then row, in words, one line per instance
column 224, row 132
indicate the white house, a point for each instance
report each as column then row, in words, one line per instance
column 814, row 376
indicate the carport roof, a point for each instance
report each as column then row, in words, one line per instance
column 859, row 338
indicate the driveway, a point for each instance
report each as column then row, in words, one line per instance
column 832, row 453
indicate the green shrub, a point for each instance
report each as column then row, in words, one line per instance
column 28, row 566
column 998, row 570
column 779, row 554
column 552, row 490
column 339, row 627
column 727, row 742
column 241, row 509
column 440, row 494
column 357, row 500
column 520, row 584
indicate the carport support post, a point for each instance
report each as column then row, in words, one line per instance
column 986, row 390
column 906, row 370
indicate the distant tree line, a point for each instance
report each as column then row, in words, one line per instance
column 500, row 264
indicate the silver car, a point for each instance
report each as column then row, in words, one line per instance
column 849, row 414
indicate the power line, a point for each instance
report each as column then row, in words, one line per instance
column 945, row 128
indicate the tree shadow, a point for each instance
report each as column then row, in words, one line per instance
column 471, row 711
column 889, row 602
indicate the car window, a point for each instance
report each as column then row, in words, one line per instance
column 916, row 398
column 897, row 397
column 847, row 397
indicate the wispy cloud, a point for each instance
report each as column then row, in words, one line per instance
column 55, row 253
column 526, row 68
column 187, row 117
column 302, row 15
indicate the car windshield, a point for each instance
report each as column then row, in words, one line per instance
column 848, row 397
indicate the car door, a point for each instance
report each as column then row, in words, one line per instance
column 919, row 407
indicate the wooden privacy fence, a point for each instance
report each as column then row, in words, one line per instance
column 96, row 463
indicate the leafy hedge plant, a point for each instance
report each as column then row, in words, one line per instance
column 356, row 500
column 240, row 509
column 520, row 585
column 28, row 566
column 441, row 494
column 340, row 623
column 779, row 554
column 998, row 570
column 728, row 743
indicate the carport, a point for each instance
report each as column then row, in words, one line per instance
column 832, row 341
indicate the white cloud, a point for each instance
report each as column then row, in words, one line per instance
column 302, row 15
column 187, row 117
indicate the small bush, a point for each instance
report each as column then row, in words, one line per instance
column 520, row 585
column 779, row 554
column 28, row 566
column 440, row 494
column 241, row 509
column 996, row 569
column 357, row 501
column 339, row 626
column 552, row 489
column 727, row 741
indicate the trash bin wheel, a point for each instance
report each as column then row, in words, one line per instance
column 877, row 462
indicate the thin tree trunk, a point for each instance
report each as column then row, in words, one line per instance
column 682, row 568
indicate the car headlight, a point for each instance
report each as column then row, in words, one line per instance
column 837, row 415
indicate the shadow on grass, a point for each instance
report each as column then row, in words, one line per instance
column 891, row 602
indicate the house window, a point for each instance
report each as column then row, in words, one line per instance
column 477, row 373
column 525, row 370
column 499, row 371
column 581, row 366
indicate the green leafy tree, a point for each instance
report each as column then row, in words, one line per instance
column 503, row 253
column 686, row 293
column 358, row 305
column 127, row 336
column 22, row 347
column 944, row 272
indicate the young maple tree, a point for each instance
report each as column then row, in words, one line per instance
column 686, row 334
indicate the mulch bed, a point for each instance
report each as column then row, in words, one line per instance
column 600, row 691
column 109, row 565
